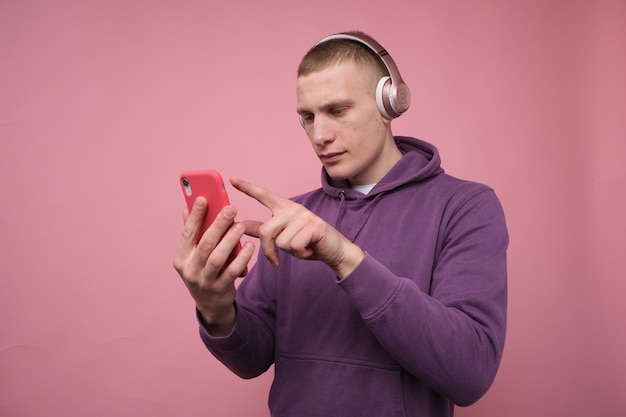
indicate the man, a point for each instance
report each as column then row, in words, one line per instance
column 383, row 293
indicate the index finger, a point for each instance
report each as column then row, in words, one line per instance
column 262, row 195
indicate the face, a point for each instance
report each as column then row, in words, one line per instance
column 342, row 121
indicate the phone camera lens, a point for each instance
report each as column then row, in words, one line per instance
column 185, row 182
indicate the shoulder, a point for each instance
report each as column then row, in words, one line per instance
column 447, row 188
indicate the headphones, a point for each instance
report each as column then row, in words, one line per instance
column 393, row 96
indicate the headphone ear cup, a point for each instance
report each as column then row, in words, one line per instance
column 399, row 98
column 382, row 98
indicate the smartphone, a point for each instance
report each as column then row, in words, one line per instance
column 210, row 185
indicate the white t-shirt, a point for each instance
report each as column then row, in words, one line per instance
column 363, row 189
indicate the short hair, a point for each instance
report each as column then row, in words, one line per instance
column 339, row 51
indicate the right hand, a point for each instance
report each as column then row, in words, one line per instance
column 299, row 232
column 202, row 267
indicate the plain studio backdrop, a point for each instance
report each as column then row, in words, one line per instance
column 104, row 103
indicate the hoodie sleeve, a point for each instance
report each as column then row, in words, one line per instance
column 451, row 338
column 248, row 351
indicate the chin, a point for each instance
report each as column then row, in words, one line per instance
column 336, row 174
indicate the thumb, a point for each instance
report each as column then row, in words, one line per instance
column 252, row 227
column 267, row 244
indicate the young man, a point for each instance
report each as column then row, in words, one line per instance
column 383, row 293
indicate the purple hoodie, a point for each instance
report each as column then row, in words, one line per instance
column 417, row 327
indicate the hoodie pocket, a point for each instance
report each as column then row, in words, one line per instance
column 311, row 386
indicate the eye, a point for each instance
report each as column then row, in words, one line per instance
column 338, row 111
column 307, row 117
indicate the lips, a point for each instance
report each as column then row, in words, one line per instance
column 330, row 157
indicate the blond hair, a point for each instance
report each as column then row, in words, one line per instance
column 341, row 51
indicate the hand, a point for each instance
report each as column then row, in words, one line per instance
column 299, row 232
column 202, row 267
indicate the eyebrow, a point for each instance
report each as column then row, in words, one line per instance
column 328, row 106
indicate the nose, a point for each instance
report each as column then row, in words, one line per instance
column 320, row 131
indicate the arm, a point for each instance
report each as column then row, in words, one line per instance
column 451, row 338
column 247, row 348
column 202, row 267
column 299, row 232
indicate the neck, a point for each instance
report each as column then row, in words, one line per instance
column 387, row 159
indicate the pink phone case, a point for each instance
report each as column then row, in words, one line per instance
column 210, row 185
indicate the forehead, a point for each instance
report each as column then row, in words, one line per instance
column 338, row 82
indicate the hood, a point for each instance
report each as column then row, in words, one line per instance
column 420, row 161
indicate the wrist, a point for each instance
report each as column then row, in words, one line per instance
column 353, row 255
column 218, row 323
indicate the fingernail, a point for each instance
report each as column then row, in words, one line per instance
column 229, row 213
column 199, row 203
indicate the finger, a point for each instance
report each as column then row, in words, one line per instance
column 192, row 222
column 267, row 243
column 262, row 195
column 269, row 249
column 286, row 239
column 267, row 233
column 220, row 255
column 213, row 235
column 302, row 243
column 238, row 265
column 252, row 227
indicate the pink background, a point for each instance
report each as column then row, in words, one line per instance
column 103, row 103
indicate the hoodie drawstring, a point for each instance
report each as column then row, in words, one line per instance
column 341, row 211
column 364, row 217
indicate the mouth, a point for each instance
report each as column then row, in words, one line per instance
column 328, row 158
